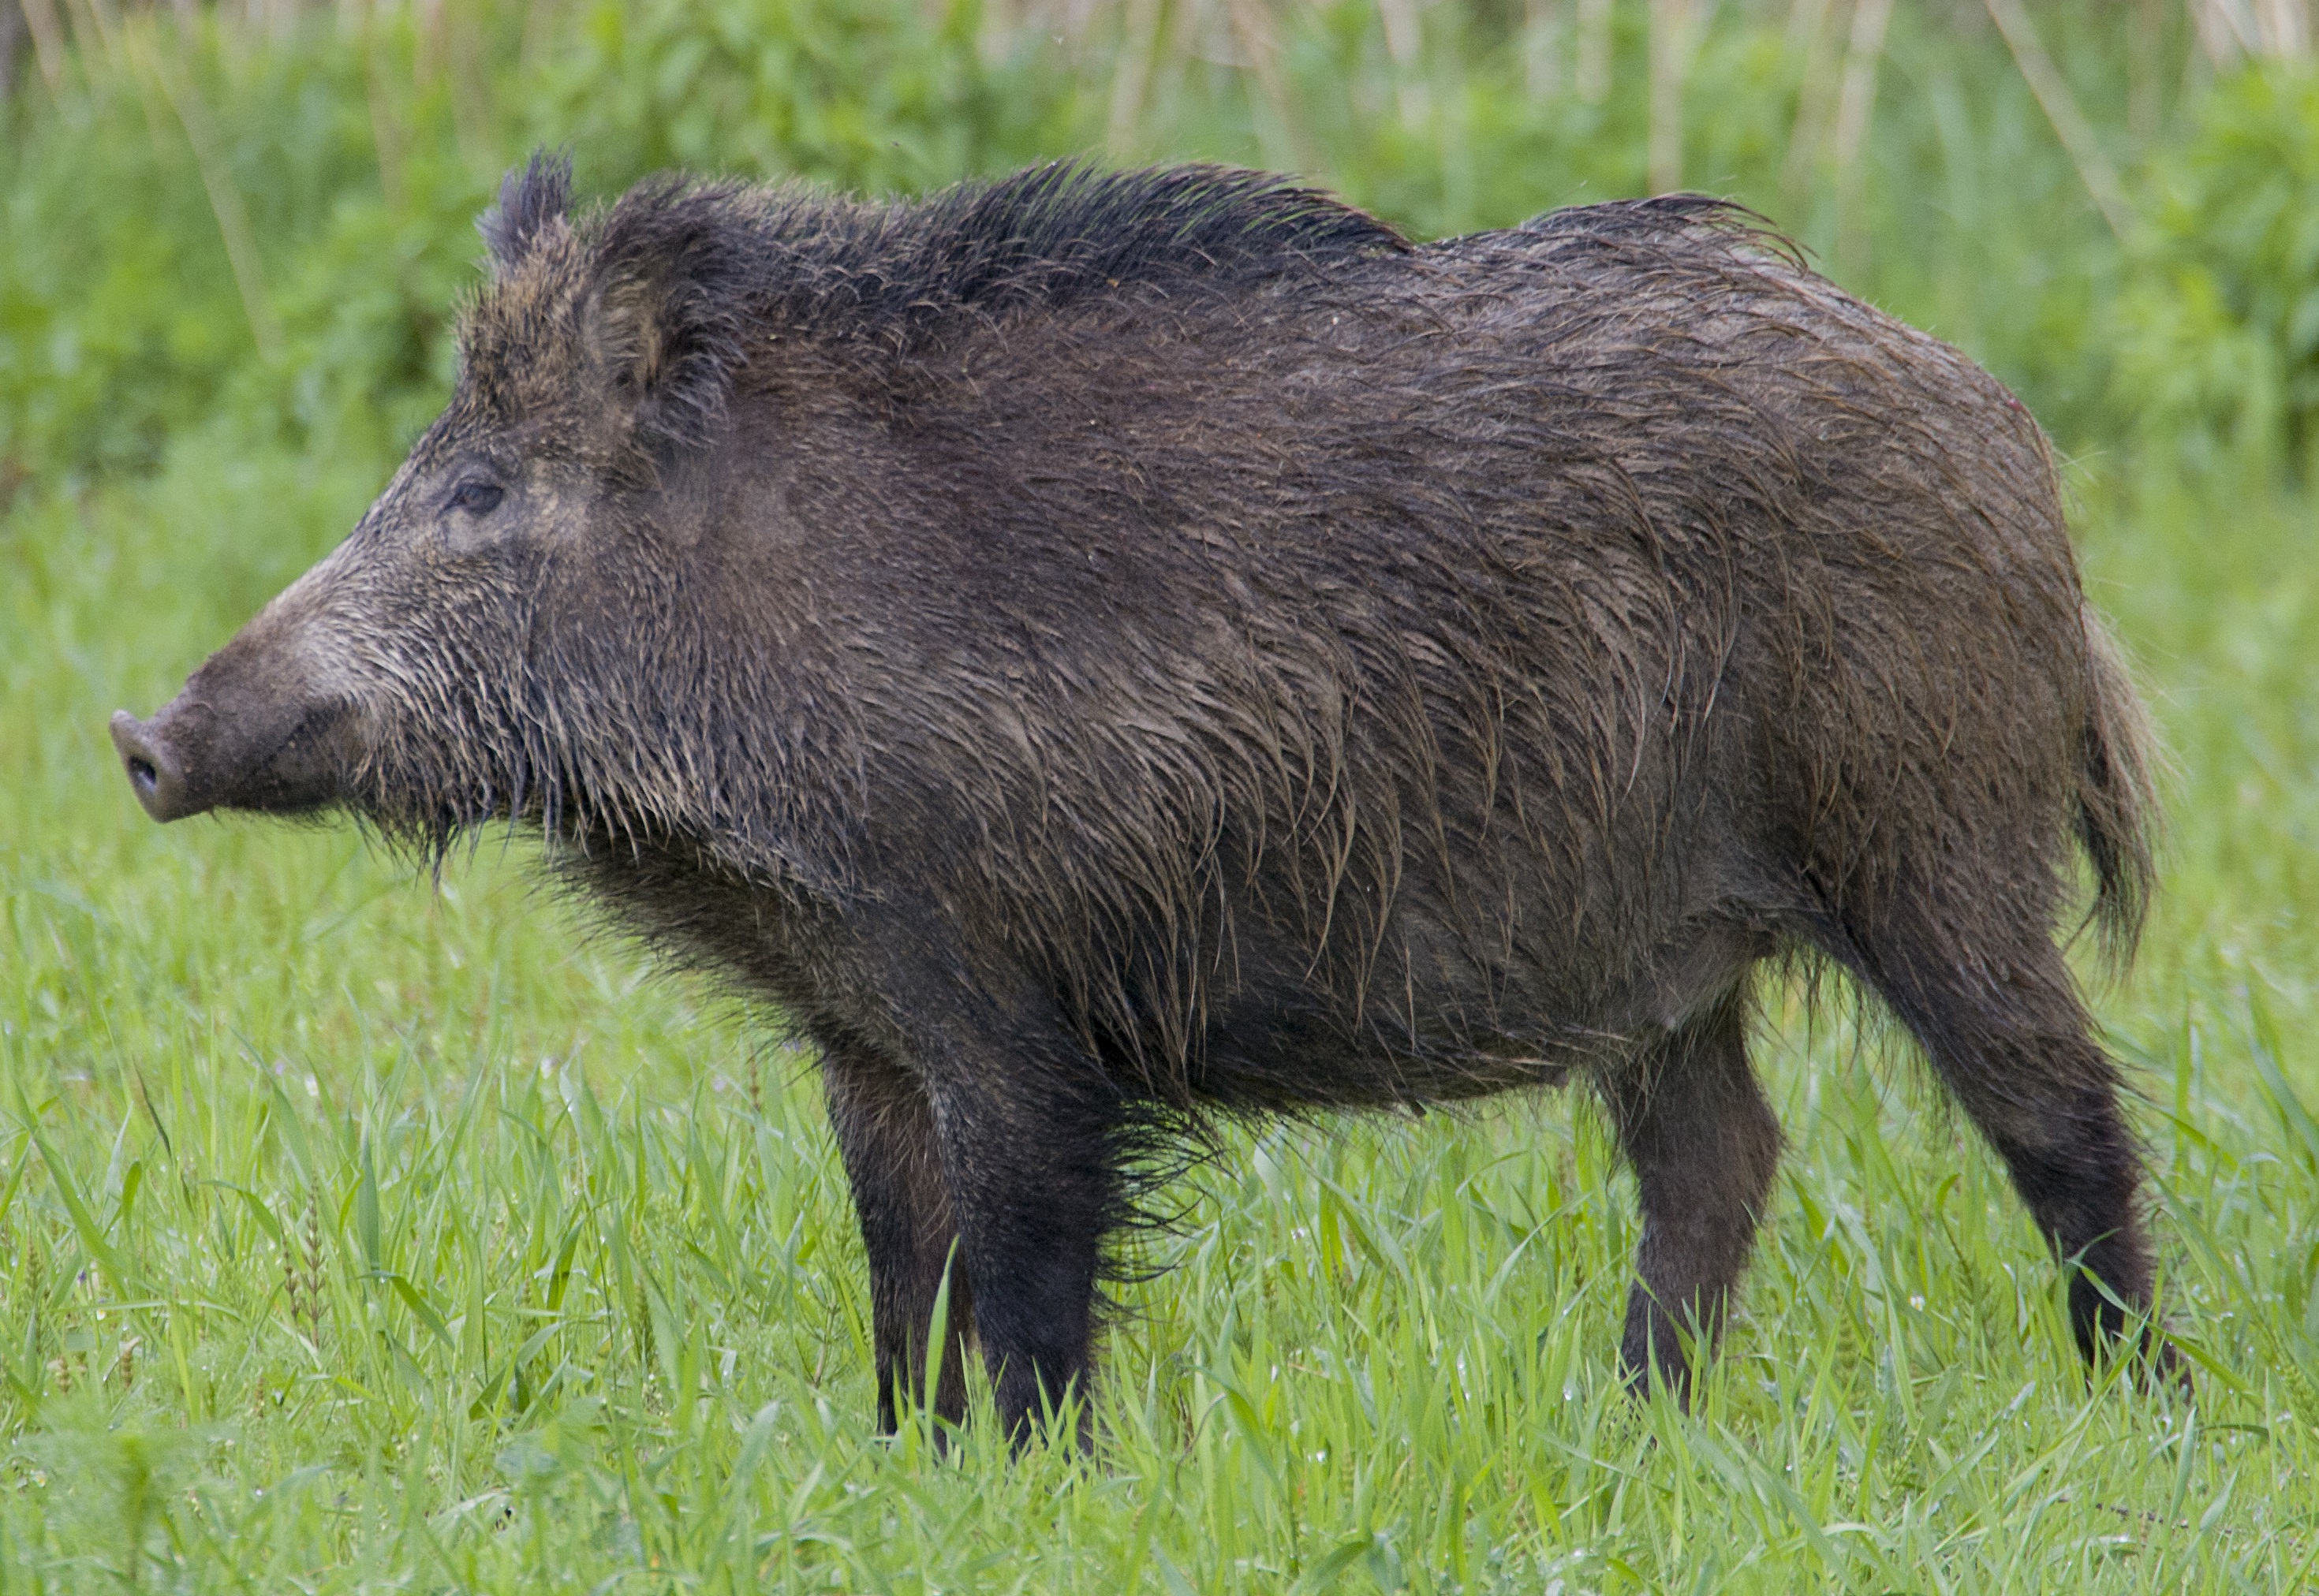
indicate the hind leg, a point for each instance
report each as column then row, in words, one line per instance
column 2008, row 1035
column 1704, row 1146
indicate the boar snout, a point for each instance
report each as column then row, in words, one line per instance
column 153, row 767
column 202, row 752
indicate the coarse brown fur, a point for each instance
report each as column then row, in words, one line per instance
column 1103, row 651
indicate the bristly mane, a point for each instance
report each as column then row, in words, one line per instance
column 902, row 271
column 1051, row 235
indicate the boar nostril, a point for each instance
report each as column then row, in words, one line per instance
column 153, row 767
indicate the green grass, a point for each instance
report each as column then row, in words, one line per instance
column 359, row 1233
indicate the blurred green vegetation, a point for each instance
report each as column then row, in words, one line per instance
column 359, row 1232
column 2218, row 322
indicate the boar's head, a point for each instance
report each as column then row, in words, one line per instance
column 506, row 612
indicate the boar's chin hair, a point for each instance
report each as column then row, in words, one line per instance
column 421, row 801
column 446, row 762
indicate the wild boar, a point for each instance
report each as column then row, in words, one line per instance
column 1105, row 652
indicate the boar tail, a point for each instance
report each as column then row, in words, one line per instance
column 2118, row 799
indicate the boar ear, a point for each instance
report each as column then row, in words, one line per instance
column 532, row 197
column 666, row 319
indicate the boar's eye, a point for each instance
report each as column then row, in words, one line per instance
column 477, row 498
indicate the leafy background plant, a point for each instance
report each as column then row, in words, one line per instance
column 2218, row 324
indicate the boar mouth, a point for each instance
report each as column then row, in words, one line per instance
column 189, row 759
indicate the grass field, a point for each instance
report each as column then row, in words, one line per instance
column 360, row 1232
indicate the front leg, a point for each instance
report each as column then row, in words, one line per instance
column 1029, row 1158
column 886, row 1134
column 995, row 1126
